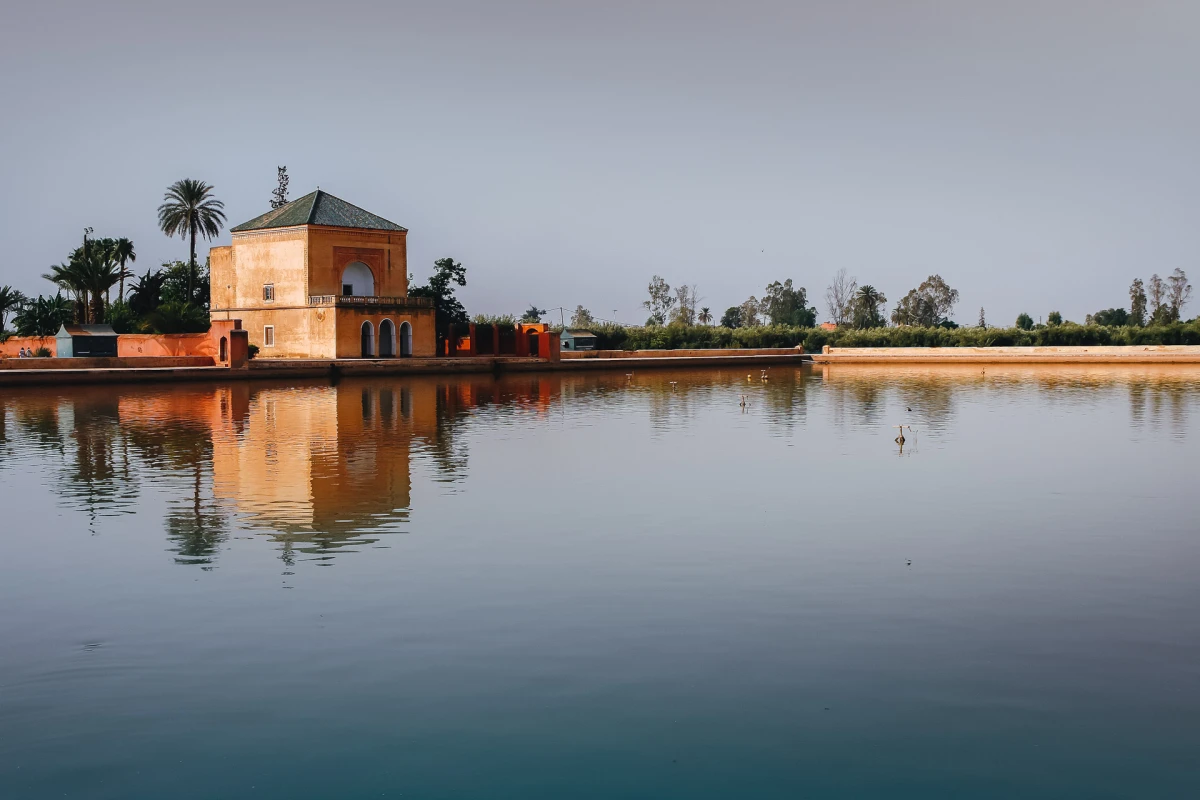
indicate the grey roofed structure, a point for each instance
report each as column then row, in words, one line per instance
column 86, row 341
column 578, row 340
column 318, row 208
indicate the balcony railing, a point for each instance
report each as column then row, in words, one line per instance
column 363, row 300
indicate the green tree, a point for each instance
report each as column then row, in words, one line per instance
column 1112, row 317
column 10, row 300
column 279, row 195
column 533, row 314
column 785, row 305
column 866, row 308
column 177, row 275
column 1054, row 318
column 124, row 255
column 732, row 318
column 928, row 305
column 175, row 317
column 982, row 319
column 660, row 302
column 1179, row 292
column 705, row 317
column 582, row 318
column 447, row 309
column 749, row 311
column 145, row 294
column 1137, row 303
column 43, row 316
column 189, row 210
column 1024, row 322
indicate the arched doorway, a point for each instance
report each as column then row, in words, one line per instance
column 387, row 339
column 533, row 343
column 368, row 340
column 405, row 340
column 358, row 280
column 224, row 349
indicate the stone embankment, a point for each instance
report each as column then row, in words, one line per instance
column 1148, row 354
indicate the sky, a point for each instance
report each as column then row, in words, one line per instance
column 1037, row 155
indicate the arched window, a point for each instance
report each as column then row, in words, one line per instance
column 368, row 340
column 387, row 339
column 405, row 340
column 357, row 280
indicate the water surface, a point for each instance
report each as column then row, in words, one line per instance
column 597, row 586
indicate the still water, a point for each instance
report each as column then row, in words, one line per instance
column 597, row 586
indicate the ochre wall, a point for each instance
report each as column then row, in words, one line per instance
column 106, row 363
column 256, row 258
column 12, row 347
column 299, row 332
column 331, row 249
column 349, row 330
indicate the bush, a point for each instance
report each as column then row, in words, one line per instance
column 252, row 351
column 177, row 318
column 42, row 352
column 680, row 337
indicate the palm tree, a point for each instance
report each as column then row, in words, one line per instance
column 705, row 316
column 10, row 300
column 43, row 316
column 190, row 209
column 72, row 276
column 867, row 312
column 123, row 253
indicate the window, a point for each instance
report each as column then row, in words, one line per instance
column 269, row 336
column 268, row 292
column 347, row 289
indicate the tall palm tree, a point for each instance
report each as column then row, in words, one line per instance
column 189, row 209
column 705, row 316
column 72, row 276
column 10, row 300
column 124, row 255
column 869, row 299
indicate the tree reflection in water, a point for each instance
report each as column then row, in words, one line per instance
column 327, row 469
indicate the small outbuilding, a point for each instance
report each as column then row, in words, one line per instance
column 578, row 340
column 86, row 341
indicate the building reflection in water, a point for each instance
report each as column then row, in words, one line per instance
column 326, row 469
column 319, row 468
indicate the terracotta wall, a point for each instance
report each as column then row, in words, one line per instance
column 384, row 252
column 349, row 330
column 106, row 363
column 762, row 351
column 12, row 347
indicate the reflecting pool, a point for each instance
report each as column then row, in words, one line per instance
column 700, row 584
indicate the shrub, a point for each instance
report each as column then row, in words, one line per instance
column 41, row 352
column 678, row 337
column 252, row 351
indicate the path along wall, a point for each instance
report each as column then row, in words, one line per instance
column 131, row 347
column 732, row 351
column 1137, row 354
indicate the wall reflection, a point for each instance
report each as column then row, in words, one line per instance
column 318, row 468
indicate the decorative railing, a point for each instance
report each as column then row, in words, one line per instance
column 363, row 300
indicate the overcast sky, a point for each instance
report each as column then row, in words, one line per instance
column 1037, row 155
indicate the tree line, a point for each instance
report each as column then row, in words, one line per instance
column 171, row 299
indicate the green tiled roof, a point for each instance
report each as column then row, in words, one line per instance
column 318, row 208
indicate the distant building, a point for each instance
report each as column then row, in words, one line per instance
column 828, row 326
column 86, row 341
column 321, row 278
column 578, row 340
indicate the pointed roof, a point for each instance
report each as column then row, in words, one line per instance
column 318, row 208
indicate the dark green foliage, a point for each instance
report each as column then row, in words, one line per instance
column 176, row 277
column 866, row 308
column 784, row 305
column 252, row 351
column 279, row 193
column 534, row 314
column 189, row 210
column 1024, row 321
column 41, row 352
column 732, row 318
column 673, row 337
column 146, row 293
column 447, row 309
column 929, row 304
column 1137, row 303
column 10, row 300
column 43, row 316
column 122, row 319
column 175, row 317
column 1113, row 317
column 1054, row 318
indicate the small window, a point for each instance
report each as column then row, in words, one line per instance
column 269, row 336
column 347, row 289
column 268, row 292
